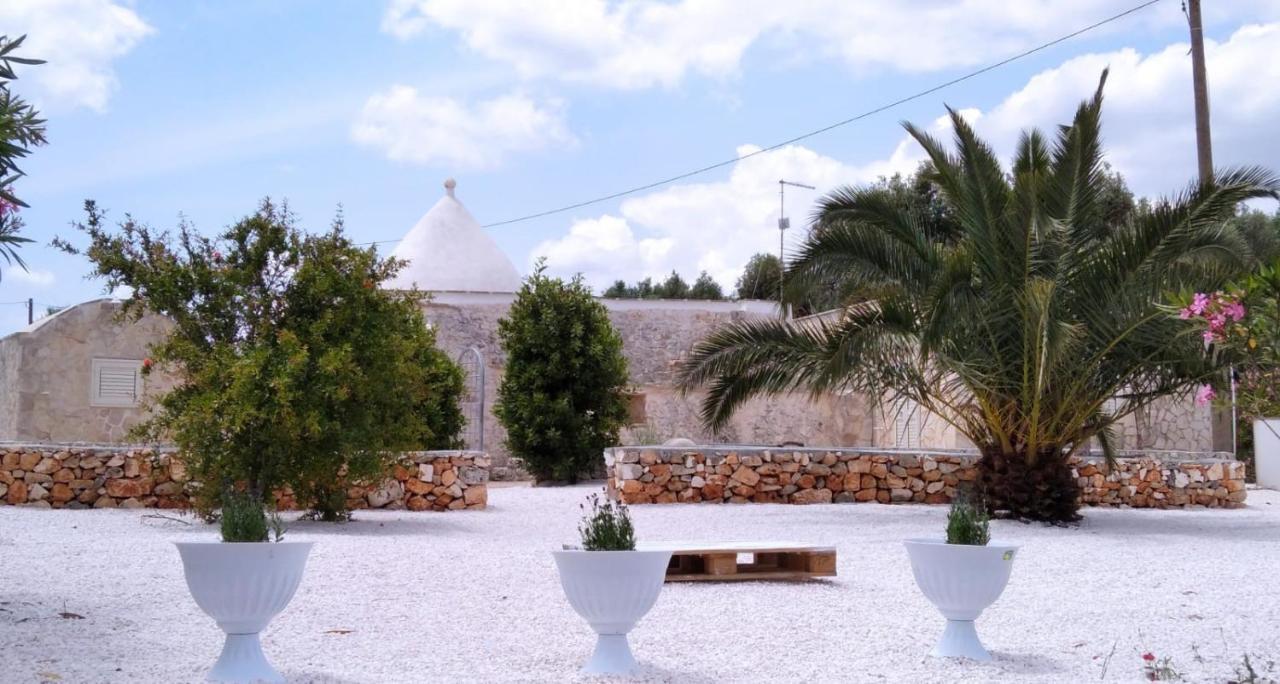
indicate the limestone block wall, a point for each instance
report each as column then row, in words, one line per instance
column 77, row 477
column 1167, row 424
column 656, row 335
column 46, row 374
column 712, row 474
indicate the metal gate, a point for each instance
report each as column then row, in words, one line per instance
column 472, row 404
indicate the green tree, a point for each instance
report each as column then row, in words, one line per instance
column 619, row 290
column 1262, row 232
column 1020, row 329
column 674, row 287
column 705, row 287
column 294, row 367
column 759, row 279
column 21, row 129
column 561, row 398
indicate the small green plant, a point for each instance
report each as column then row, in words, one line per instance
column 245, row 519
column 607, row 527
column 967, row 522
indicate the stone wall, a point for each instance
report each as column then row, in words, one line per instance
column 46, row 374
column 65, row 476
column 1175, row 423
column 656, row 336
column 715, row 474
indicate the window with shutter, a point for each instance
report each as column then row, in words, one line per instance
column 115, row 382
column 907, row 425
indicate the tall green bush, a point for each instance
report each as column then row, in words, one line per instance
column 295, row 369
column 561, row 399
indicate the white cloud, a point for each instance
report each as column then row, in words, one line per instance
column 407, row 126
column 34, row 276
column 79, row 40
column 1147, row 128
column 713, row 226
column 645, row 43
column 1148, row 120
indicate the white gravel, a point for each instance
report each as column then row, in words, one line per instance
column 474, row 596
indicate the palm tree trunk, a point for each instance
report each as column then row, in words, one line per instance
column 1043, row 490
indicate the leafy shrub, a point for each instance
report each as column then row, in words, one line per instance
column 607, row 527
column 21, row 130
column 967, row 522
column 561, row 399
column 295, row 368
column 245, row 519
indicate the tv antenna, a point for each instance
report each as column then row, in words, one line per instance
column 783, row 224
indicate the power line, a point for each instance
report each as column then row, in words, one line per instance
column 824, row 129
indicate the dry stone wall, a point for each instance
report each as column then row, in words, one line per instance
column 638, row 475
column 55, row 476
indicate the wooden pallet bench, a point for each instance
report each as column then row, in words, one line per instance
column 722, row 562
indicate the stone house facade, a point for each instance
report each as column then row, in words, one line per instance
column 71, row 377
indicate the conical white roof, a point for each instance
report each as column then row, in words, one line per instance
column 447, row 250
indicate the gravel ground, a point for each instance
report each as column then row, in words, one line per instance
column 474, row 596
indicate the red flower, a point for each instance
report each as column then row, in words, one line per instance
column 1148, row 657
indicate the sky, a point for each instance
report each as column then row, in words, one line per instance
column 199, row 109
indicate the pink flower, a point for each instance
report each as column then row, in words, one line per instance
column 1235, row 311
column 1199, row 303
column 7, row 207
column 1205, row 394
column 1209, row 336
column 1148, row 657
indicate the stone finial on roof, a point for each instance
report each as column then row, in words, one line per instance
column 449, row 185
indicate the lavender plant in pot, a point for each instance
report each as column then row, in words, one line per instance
column 243, row 582
column 962, row 575
column 610, row 584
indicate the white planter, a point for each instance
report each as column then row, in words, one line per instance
column 1266, row 452
column 612, row 590
column 242, row 586
column 960, row 581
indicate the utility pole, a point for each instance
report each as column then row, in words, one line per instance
column 783, row 224
column 1223, row 426
column 1204, row 146
column 31, row 310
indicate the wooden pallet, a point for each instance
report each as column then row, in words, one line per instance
column 701, row 562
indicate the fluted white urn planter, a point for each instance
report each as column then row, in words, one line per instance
column 612, row 590
column 243, row 586
column 961, row 581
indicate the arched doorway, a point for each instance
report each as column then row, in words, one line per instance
column 472, row 405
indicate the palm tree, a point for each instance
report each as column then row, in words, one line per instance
column 1032, row 325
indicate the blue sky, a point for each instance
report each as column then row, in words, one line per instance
column 203, row 108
